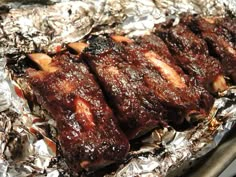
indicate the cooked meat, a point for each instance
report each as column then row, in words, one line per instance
column 219, row 46
column 137, row 109
column 154, row 43
column 191, row 54
column 229, row 25
column 88, row 132
column 224, row 27
column 165, row 79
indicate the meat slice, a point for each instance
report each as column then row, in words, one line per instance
column 191, row 54
column 218, row 44
column 137, row 109
column 88, row 132
column 167, row 80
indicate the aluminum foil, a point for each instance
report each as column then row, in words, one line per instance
column 28, row 142
column 38, row 27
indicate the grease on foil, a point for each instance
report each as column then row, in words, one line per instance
column 25, row 27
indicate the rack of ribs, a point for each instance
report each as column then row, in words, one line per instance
column 88, row 132
column 116, row 89
column 217, row 35
column 140, row 93
column 191, row 54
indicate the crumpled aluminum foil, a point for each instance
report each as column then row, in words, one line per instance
column 38, row 27
column 28, row 144
column 180, row 147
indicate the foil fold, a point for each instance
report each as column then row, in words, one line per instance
column 28, row 143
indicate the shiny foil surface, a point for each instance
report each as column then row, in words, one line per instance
column 28, row 142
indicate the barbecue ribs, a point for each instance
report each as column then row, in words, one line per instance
column 140, row 92
column 136, row 108
column 117, row 88
column 88, row 132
